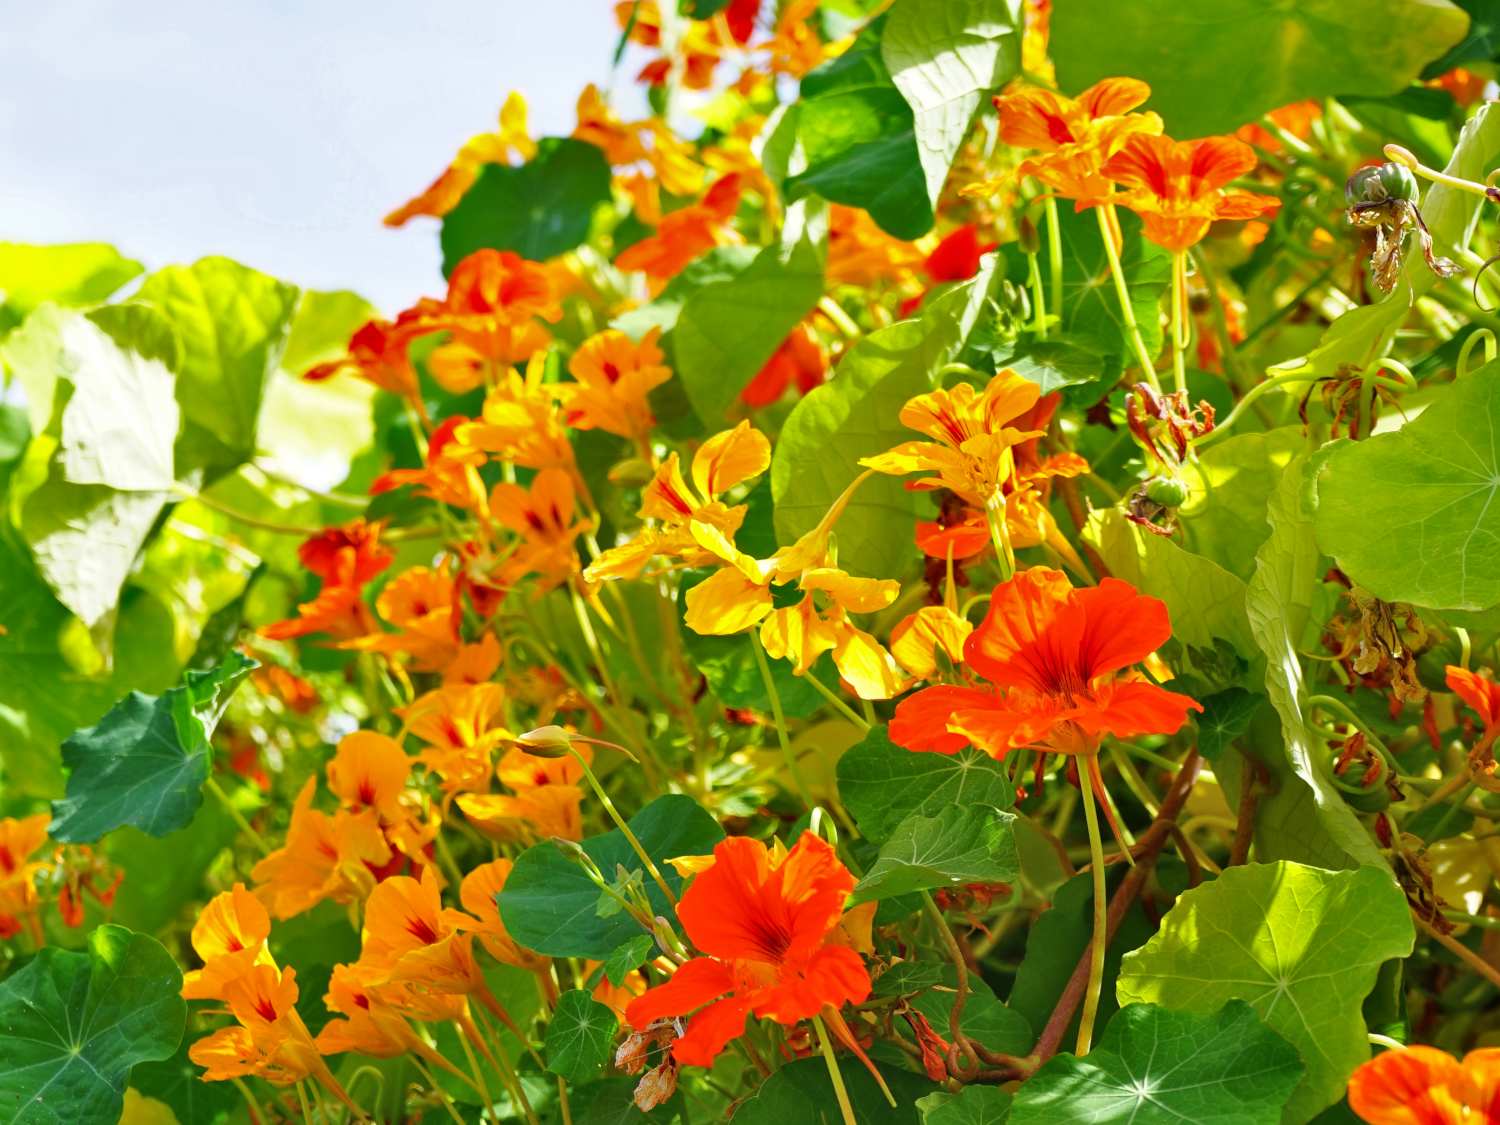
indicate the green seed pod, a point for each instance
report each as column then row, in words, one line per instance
column 1167, row 491
column 633, row 472
column 1372, row 795
column 1381, row 183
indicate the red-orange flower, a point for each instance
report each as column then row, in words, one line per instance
column 799, row 360
column 377, row 353
column 686, row 234
column 1425, row 1086
column 1478, row 691
column 1056, row 659
column 1075, row 136
column 769, row 926
column 1177, row 187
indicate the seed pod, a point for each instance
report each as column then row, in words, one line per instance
column 1167, row 491
column 1381, row 183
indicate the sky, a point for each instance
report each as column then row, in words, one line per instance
column 277, row 132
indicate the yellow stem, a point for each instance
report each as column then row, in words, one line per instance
column 1101, row 911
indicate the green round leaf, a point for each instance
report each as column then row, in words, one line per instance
column 73, row 1024
column 1300, row 945
column 1155, row 1067
column 961, row 844
column 579, row 1036
column 882, row 784
column 549, row 905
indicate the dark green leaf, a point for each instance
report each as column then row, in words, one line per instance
column 178, row 1083
column 882, row 784
column 800, row 1093
column 75, row 1023
column 145, row 762
column 860, row 140
column 579, row 1036
column 550, row 906
column 1155, row 1067
column 1225, row 717
column 959, row 845
column 972, row 1105
column 985, row 1019
column 1215, row 64
column 539, row 209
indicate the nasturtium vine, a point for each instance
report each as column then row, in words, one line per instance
column 920, row 561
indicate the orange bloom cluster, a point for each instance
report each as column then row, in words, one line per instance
column 378, row 831
column 20, row 839
column 687, row 233
column 268, row 1039
column 346, row 559
column 1087, row 146
column 770, row 925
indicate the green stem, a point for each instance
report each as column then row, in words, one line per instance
column 835, row 1075
column 1250, row 396
column 1054, row 256
column 437, row 1089
column 1179, row 320
column 1101, row 911
column 839, row 705
column 620, row 823
column 1122, row 292
column 1337, row 705
column 1039, row 307
column 786, row 743
column 212, row 785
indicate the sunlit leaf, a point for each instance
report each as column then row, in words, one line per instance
column 959, row 845
column 1300, row 945
column 882, row 784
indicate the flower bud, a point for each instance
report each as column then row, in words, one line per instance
column 632, row 472
column 1027, row 236
column 545, row 742
column 1381, row 183
column 1167, row 491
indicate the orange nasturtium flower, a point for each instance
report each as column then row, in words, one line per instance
column 972, row 438
column 684, row 235
column 345, row 558
column 520, row 422
column 230, row 936
column 722, row 462
column 492, row 309
column 1177, row 187
column 459, row 725
column 377, row 353
column 768, row 923
column 324, row 857
column 798, row 360
column 409, row 936
column 1425, row 1086
column 480, row 893
column 443, row 194
column 20, row 838
column 543, row 516
column 1074, row 137
column 544, row 798
column 1057, row 661
column 614, row 374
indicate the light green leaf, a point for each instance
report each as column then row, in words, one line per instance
column 1301, row 945
column 1227, row 518
column 232, row 322
column 539, row 209
column 85, row 539
column 1157, row 1067
column 1363, row 334
column 1305, row 819
column 972, row 1105
column 74, row 1024
column 1206, row 603
column 881, row 784
column 961, row 844
column 943, row 58
column 1411, row 515
column 145, row 762
column 727, row 330
column 631, row 955
column 579, row 1036
column 550, row 906
column 1213, row 65
column 322, row 325
column 860, row 141
column 854, row 415
column 70, row 274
